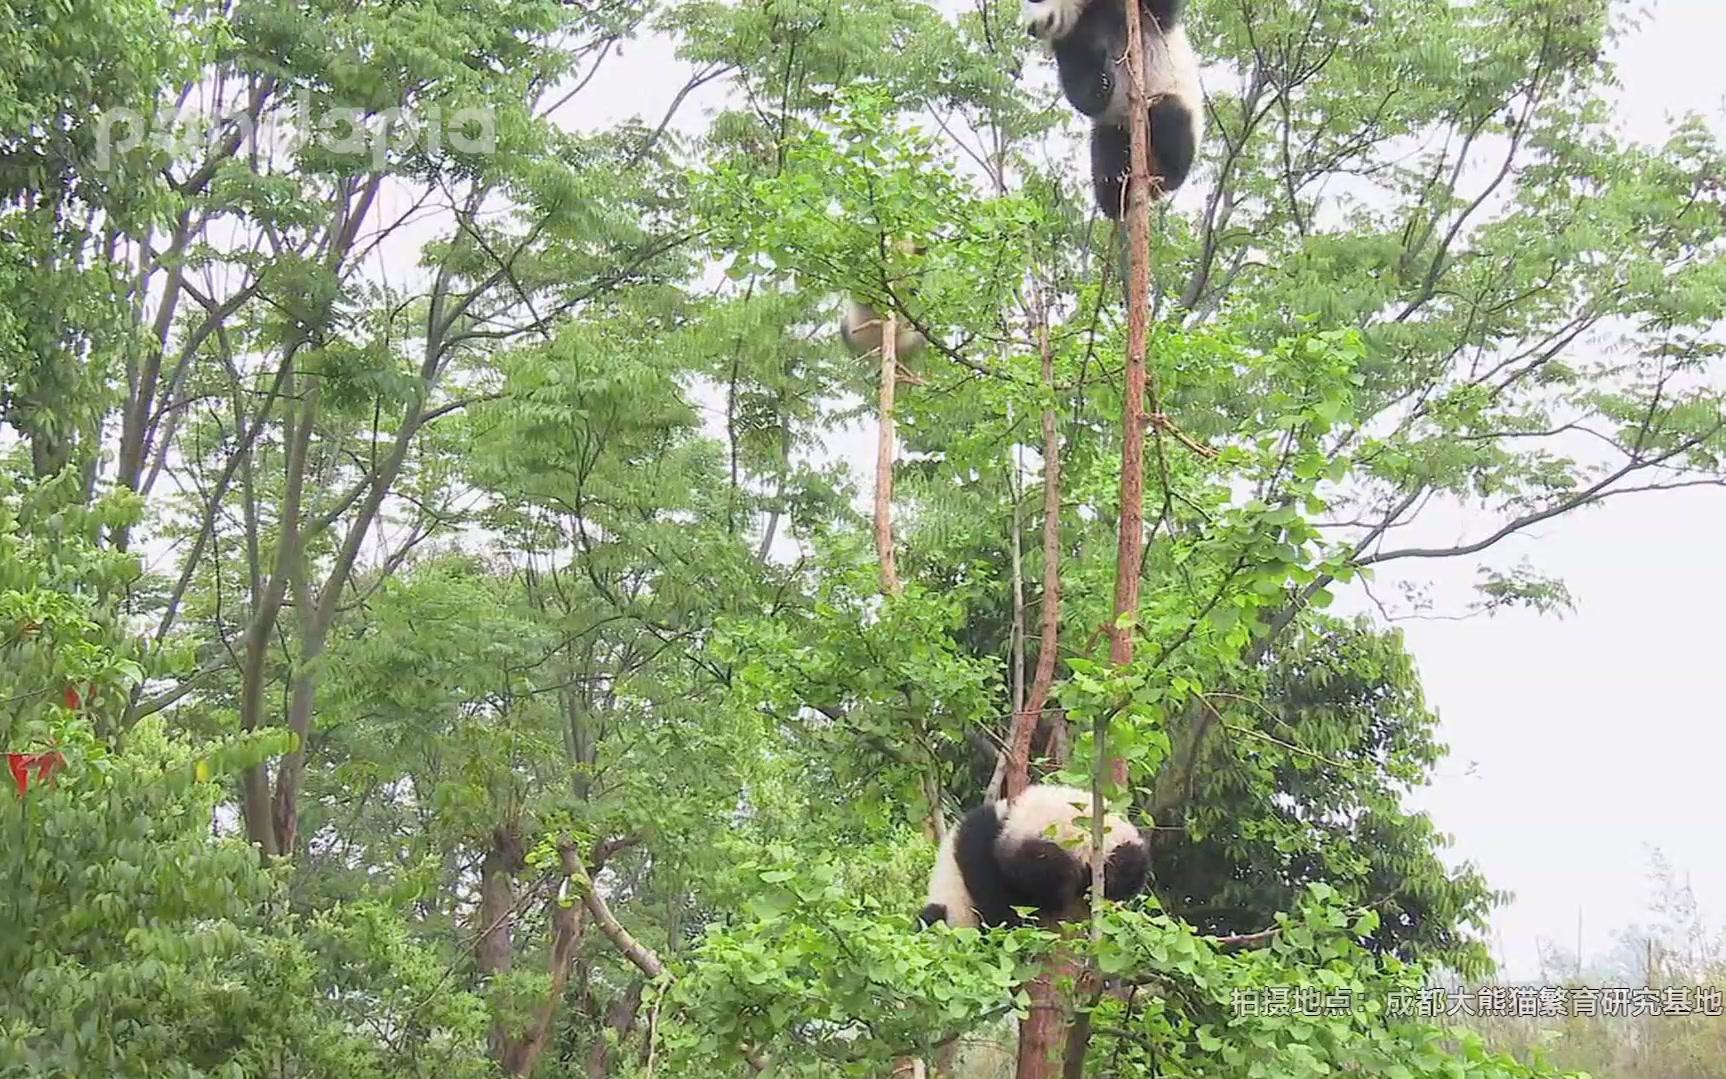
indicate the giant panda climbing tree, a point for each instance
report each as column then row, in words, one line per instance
column 886, row 451
column 1053, row 1036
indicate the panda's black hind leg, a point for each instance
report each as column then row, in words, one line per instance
column 1173, row 146
column 1109, row 167
column 974, row 850
column 934, row 912
column 1043, row 874
column 1173, row 149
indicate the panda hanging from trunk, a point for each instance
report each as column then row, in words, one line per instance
column 862, row 326
column 1089, row 40
column 1033, row 850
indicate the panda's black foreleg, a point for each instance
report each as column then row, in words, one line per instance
column 1086, row 66
column 1166, row 12
column 1110, row 164
column 1173, row 146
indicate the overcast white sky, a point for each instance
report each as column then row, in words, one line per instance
column 1578, row 743
column 1594, row 737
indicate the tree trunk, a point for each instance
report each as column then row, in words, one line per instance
column 1016, row 635
column 1043, row 1032
column 522, row 1054
column 320, row 609
column 884, row 454
column 619, row 1020
column 494, row 948
column 255, row 648
column 1042, row 1044
column 1129, row 551
column 1048, row 646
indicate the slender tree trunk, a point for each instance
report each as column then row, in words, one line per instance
column 1031, row 709
column 1043, row 1036
column 142, row 377
column 772, row 525
column 241, row 458
column 325, row 604
column 904, row 1067
column 522, row 1055
column 1016, row 636
column 1056, row 743
column 1129, row 552
column 884, row 453
column 284, row 815
column 998, row 783
column 255, row 648
column 1016, row 491
column 937, row 824
column 494, row 947
column 619, row 1020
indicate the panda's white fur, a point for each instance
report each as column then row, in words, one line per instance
column 947, row 885
column 1048, row 811
column 861, row 327
column 1088, row 38
column 1033, row 851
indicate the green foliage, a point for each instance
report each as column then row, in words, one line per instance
column 142, row 947
column 842, row 203
column 815, row 955
column 1327, row 740
column 1311, row 1003
column 65, row 658
column 873, row 688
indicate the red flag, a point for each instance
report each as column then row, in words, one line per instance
column 22, row 764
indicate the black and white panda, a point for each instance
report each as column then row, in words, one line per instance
column 1030, row 852
column 1089, row 39
column 861, row 326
